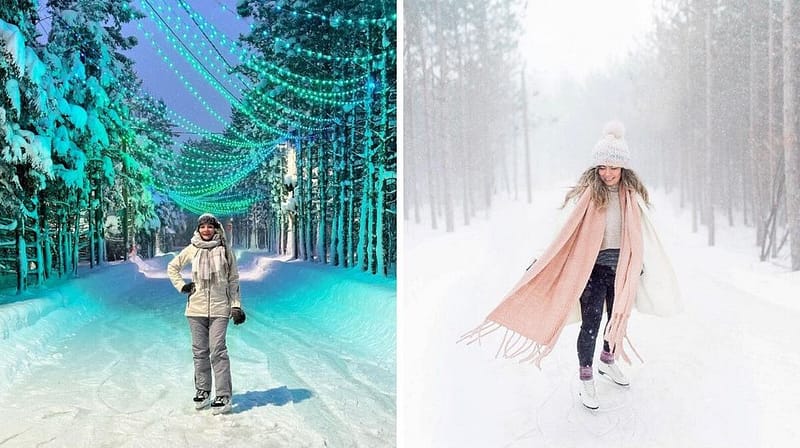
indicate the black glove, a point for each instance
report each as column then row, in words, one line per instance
column 188, row 288
column 238, row 316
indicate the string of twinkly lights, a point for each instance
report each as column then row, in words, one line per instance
column 200, row 173
column 311, row 93
column 265, row 98
column 213, row 136
column 185, row 123
column 315, row 96
column 232, row 46
column 205, row 179
column 202, row 186
column 251, row 111
column 207, row 189
column 183, row 79
column 233, row 101
column 337, row 20
column 329, row 57
column 183, row 192
column 181, row 49
column 221, row 205
column 226, row 158
column 213, row 161
column 178, row 43
column 244, row 57
column 228, row 203
column 204, row 46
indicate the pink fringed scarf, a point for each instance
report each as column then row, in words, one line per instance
column 539, row 306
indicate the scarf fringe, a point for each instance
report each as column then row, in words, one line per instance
column 513, row 346
column 475, row 335
column 616, row 335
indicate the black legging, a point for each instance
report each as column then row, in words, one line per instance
column 599, row 288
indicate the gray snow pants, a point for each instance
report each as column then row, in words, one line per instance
column 210, row 350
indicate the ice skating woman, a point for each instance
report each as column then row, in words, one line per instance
column 212, row 298
column 606, row 255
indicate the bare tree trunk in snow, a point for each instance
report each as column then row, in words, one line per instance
column 525, row 126
column 790, row 148
column 709, row 175
column 771, row 111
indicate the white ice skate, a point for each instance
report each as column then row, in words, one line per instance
column 613, row 372
column 589, row 394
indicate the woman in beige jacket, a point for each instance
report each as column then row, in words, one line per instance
column 212, row 298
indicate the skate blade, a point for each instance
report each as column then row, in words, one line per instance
column 587, row 406
column 608, row 377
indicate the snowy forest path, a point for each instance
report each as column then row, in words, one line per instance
column 125, row 378
column 720, row 373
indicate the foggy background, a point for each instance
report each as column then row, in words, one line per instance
column 504, row 97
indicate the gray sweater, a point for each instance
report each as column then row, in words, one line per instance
column 611, row 237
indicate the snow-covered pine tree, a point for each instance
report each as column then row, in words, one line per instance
column 86, row 36
column 25, row 159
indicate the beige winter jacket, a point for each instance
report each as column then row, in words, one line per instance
column 215, row 301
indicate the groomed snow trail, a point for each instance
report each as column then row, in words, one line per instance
column 313, row 366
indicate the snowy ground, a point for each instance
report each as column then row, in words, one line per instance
column 723, row 373
column 105, row 360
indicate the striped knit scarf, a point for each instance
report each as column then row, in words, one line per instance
column 209, row 260
column 539, row 306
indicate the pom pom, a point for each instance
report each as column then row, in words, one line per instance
column 615, row 129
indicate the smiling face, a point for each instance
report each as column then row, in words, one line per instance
column 206, row 231
column 610, row 174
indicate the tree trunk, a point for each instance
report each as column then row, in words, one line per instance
column 336, row 196
column 365, row 214
column 752, row 196
column 771, row 109
column 427, row 142
column 47, row 246
column 525, row 125
column 125, row 229
column 380, row 210
column 41, row 236
column 308, row 226
column 709, row 209
column 444, row 174
column 343, row 180
column 100, row 229
column 322, row 184
column 790, row 149
column 349, row 242
column 90, row 235
column 76, row 243
column 22, row 254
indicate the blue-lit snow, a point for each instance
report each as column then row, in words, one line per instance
column 105, row 360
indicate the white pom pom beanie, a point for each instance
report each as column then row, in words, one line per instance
column 612, row 149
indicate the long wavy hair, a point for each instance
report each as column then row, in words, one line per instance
column 591, row 179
